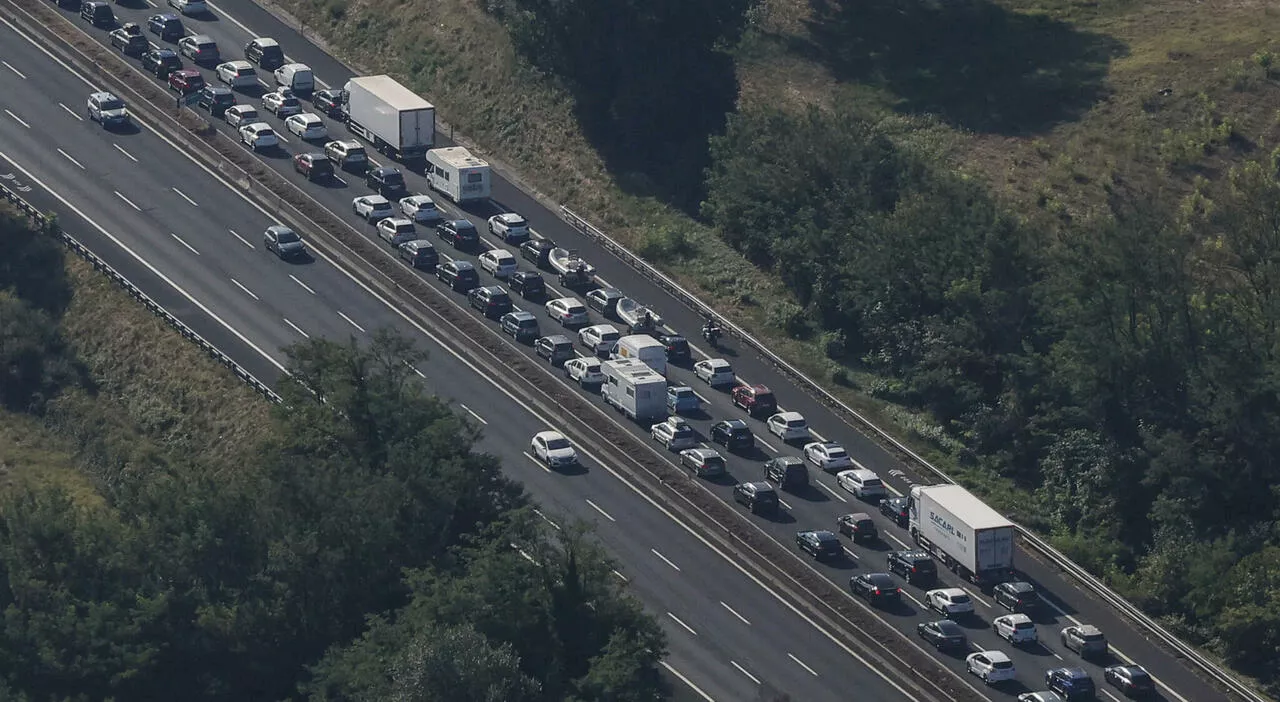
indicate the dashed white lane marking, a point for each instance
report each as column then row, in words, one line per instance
column 69, row 158
column 546, row 519
column 621, row 577
column 351, row 321
column 766, row 444
column 71, row 112
column 186, row 197
column 19, row 73
column 233, row 233
column 742, row 670
column 18, row 119
column 190, row 248
column 976, row 598
column 473, row 413
column 127, row 200
column 304, row 285
column 734, row 612
column 295, row 328
column 834, row 494
column 596, row 507
column 540, row 464
column 802, row 665
column 666, row 560
column 121, row 150
column 687, row 628
column 681, row 677
column 415, row 370
column 247, row 291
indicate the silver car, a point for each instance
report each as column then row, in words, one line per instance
column 283, row 242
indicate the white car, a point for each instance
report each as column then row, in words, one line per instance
column 237, row 115
column 237, row 74
column 828, row 456
column 1044, row 696
column 396, row 230
column 991, row 666
column 676, row 434
column 552, row 448
column 599, row 337
column 714, row 371
column 198, row 48
column 372, row 208
column 568, row 311
column 788, row 426
column 499, row 263
column 863, row 483
column 509, row 226
column 307, row 126
column 420, row 208
column 281, row 103
column 258, row 135
column 584, row 371
column 1015, row 628
column 949, row 601
column 190, row 7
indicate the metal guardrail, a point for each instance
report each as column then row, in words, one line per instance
column 50, row 226
column 1057, row 557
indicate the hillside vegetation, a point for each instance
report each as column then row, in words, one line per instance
column 166, row 534
column 1042, row 237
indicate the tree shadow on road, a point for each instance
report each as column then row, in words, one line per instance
column 971, row 62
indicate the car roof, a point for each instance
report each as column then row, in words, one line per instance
column 858, row 516
column 102, row 95
column 548, row 435
column 498, row 253
column 759, row 486
column 1020, row 586
column 217, row 90
column 462, row 266
column 1016, row 618
column 606, row 293
column 950, row 591
column 521, row 315
column 948, row 626
column 510, row 217
column 279, row 228
column 788, row 416
column 556, row 339
column 1088, row 630
column 266, row 42
column 996, row 656
column 418, row 244
column 734, row 423
column 716, row 363
column 703, row 452
column 911, row 555
column 200, row 38
column 880, row 578
column 1073, row 673
column 166, row 16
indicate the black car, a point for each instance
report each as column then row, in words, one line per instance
column 216, row 99
column 418, row 253
column 129, row 40
column 943, row 634
column 605, row 301
column 521, row 325
column 733, row 434
column 386, row 181
column 167, row 26
column 315, row 166
column 529, row 284
column 1017, row 597
column 98, row 14
column 329, row 102
column 916, row 567
column 460, row 233
column 876, row 588
column 265, row 52
column 857, row 526
column 460, row 276
column 537, row 250
column 895, row 508
column 161, row 62
column 677, row 348
column 787, row 472
column 760, row 498
column 1132, row 680
column 820, row 544
column 492, row 300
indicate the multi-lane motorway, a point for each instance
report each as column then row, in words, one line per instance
column 194, row 244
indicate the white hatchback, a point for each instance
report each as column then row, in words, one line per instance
column 237, row 74
column 600, row 338
column 498, row 263
column 714, row 372
column 949, row 601
column 788, row 426
column 1015, row 628
column 863, row 483
column 568, row 311
column 258, row 135
column 584, row 371
column 307, row 126
column 552, row 448
column 991, row 666
column 237, row 115
column 828, row 456
column 420, row 208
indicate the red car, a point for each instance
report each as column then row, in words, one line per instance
column 186, row 81
column 755, row 399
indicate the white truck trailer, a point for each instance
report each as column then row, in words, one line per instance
column 964, row 534
column 634, row 389
column 457, row 174
column 388, row 115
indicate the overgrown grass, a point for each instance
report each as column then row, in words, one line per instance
column 1126, row 94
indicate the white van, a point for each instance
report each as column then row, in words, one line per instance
column 456, row 173
column 643, row 348
column 297, row 77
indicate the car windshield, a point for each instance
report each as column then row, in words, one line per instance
column 287, row 237
column 575, row 309
column 290, row 102
column 682, row 430
column 865, row 524
column 713, row 461
column 392, row 178
column 594, row 368
column 959, row 599
column 795, row 424
column 534, row 323
column 1093, row 637
column 404, row 228
column 610, row 336
column 516, row 222
column 1002, row 665
column 112, row 104
column 265, row 132
column 872, row 482
column 836, row 453
column 950, row 628
column 558, row 443
column 1023, row 626
column 684, row 393
column 766, row 496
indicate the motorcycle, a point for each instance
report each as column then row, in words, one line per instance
column 711, row 334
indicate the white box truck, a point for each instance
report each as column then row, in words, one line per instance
column 634, row 389
column 388, row 115
column 964, row 534
column 457, row 174
column 644, row 348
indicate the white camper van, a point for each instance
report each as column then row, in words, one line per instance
column 456, row 173
column 634, row 389
column 643, row 348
